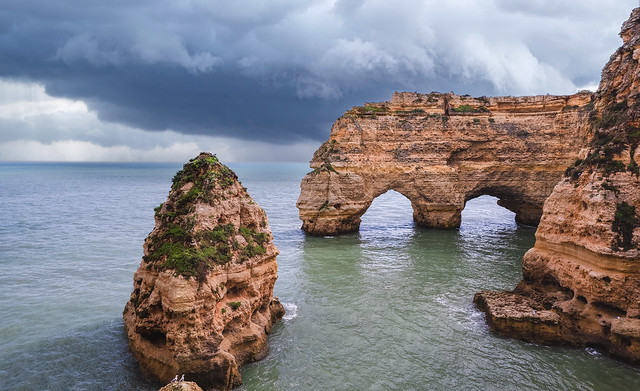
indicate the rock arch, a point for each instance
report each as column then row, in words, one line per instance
column 441, row 150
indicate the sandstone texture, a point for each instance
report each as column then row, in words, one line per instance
column 203, row 301
column 581, row 281
column 181, row 386
column 441, row 150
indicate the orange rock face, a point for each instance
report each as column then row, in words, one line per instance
column 203, row 295
column 441, row 150
column 181, row 386
column 581, row 281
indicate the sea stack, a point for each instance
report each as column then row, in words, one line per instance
column 581, row 281
column 203, row 301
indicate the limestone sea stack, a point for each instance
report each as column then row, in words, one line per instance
column 441, row 150
column 203, row 301
column 581, row 281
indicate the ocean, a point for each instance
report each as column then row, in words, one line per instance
column 387, row 308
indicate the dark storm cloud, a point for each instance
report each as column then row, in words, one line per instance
column 283, row 70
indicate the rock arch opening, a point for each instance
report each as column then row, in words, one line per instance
column 485, row 210
column 390, row 210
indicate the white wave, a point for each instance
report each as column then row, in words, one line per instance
column 290, row 311
column 592, row 351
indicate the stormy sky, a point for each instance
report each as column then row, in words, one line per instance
column 258, row 80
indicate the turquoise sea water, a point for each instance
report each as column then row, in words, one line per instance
column 388, row 308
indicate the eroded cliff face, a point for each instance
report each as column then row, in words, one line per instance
column 441, row 150
column 581, row 281
column 203, row 294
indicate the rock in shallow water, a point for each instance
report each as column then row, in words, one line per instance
column 203, row 300
column 584, row 270
column 181, row 386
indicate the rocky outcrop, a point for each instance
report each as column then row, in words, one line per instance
column 203, row 294
column 181, row 386
column 441, row 150
column 581, row 281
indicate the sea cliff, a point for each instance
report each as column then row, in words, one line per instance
column 581, row 281
column 569, row 163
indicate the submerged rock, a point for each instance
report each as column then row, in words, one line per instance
column 203, row 301
column 581, row 281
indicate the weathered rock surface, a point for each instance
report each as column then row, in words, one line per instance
column 581, row 281
column 181, row 386
column 441, row 150
column 203, row 294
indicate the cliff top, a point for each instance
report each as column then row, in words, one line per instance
column 446, row 104
column 615, row 122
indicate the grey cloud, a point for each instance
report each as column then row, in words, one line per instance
column 283, row 70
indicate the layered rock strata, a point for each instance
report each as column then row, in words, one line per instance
column 203, row 301
column 441, row 150
column 581, row 281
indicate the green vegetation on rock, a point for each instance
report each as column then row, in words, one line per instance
column 367, row 111
column 610, row 187
column 325, row 151
column 325, row 167
column 194, row 254
column 614, row 131
column 255, row 243
column 625, row 221
column 410, row 112
column 375, row 109
column 177, row 245
column 174, row 248
column 470, row 109
column 205, row 172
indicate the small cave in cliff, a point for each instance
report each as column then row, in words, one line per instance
column 608, row 309
column 234, row 325
column 156, row 337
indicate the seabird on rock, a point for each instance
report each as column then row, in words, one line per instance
column 181, row 379
column 175, row 379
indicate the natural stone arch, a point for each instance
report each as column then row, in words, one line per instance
column 440, row 150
